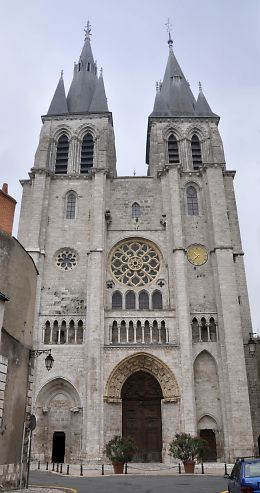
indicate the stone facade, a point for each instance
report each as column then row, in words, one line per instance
column 17, row 306
column 118, row 293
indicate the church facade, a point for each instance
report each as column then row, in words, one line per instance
column 141, row 290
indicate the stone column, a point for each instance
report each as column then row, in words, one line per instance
column 178, row 273
column 93, row 415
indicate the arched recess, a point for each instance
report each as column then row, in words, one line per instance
column 146, row 363
column 206, row 383
column 57, row 385
column 59, row 411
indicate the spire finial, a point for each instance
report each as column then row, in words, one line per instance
column 200, row 87
column 87, row 31
column 101, row 72
column 169, row 28
column 61, row 74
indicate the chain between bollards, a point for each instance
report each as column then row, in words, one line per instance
column 179, row 466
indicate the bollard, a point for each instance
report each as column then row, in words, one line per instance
column 202, row 468
column 81, row 469
column 179, row 466
column 225, row 470
column 47, row 466
column 68, row 469
column 39, row 465
column 60, row 468
column 126, row 468
column 102, row 470
column 53, row 465
column 57, row 468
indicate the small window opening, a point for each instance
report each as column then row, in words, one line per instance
column 157, row 300
column 71, row 206
column 143, row 300
column 130, row 300
column 192, row 201
column 117, row 300
column 136, row 210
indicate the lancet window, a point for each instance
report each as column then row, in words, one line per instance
column 192, row 201
column 71, row 205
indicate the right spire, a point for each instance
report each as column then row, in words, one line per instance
column 174, row 97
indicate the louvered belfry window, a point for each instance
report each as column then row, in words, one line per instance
column 173, row 149
column 62, row 154
column 87, row 154
column 196, row 152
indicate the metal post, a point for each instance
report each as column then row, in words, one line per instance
column 22, row 453
column 47, row 466
column 179, row 466
column 29, row 458
column 225, row 469
column 81, row 469
column 126, row 468
column 39, row 464
column 61, row 468
column 102, row 470
column 68, row 469
column 57, row 467
column 202, row 468
column 53, row 466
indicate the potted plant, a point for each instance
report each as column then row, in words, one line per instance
column 188, row 449
column 120, row 450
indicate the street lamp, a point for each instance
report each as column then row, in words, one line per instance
column 49, row 360
column 251, row 344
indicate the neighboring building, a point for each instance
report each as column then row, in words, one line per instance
column 18, row 278
column 142, row 289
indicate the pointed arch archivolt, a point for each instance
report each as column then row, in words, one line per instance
column 142, row 362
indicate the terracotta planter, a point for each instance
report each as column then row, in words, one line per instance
column 118, row 468
column 189, row 466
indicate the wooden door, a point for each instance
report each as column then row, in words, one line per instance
column 211, row 452
column 141, row 397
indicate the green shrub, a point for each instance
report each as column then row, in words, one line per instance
column 120, row 449
column 186, row 447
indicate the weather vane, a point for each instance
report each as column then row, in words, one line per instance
column 87, row 30
column 169, row 29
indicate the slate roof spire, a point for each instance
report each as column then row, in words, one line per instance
column 176, row 94
column 59, row 105
column 202, row 107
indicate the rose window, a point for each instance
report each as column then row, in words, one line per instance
column 135, row 262
column 66, row 259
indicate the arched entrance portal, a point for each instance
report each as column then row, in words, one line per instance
column 141, row 415
column 58, row 446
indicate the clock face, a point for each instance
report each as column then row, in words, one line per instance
column 197, row 254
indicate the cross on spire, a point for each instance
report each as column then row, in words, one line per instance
column 87, row 31
column 169, row 28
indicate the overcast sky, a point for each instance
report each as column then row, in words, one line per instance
column 215, row 41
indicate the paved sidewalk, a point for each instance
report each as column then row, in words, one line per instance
column 149, row 469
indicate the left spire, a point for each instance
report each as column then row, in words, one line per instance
column 59, row 105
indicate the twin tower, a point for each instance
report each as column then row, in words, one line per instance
column 141, row 290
